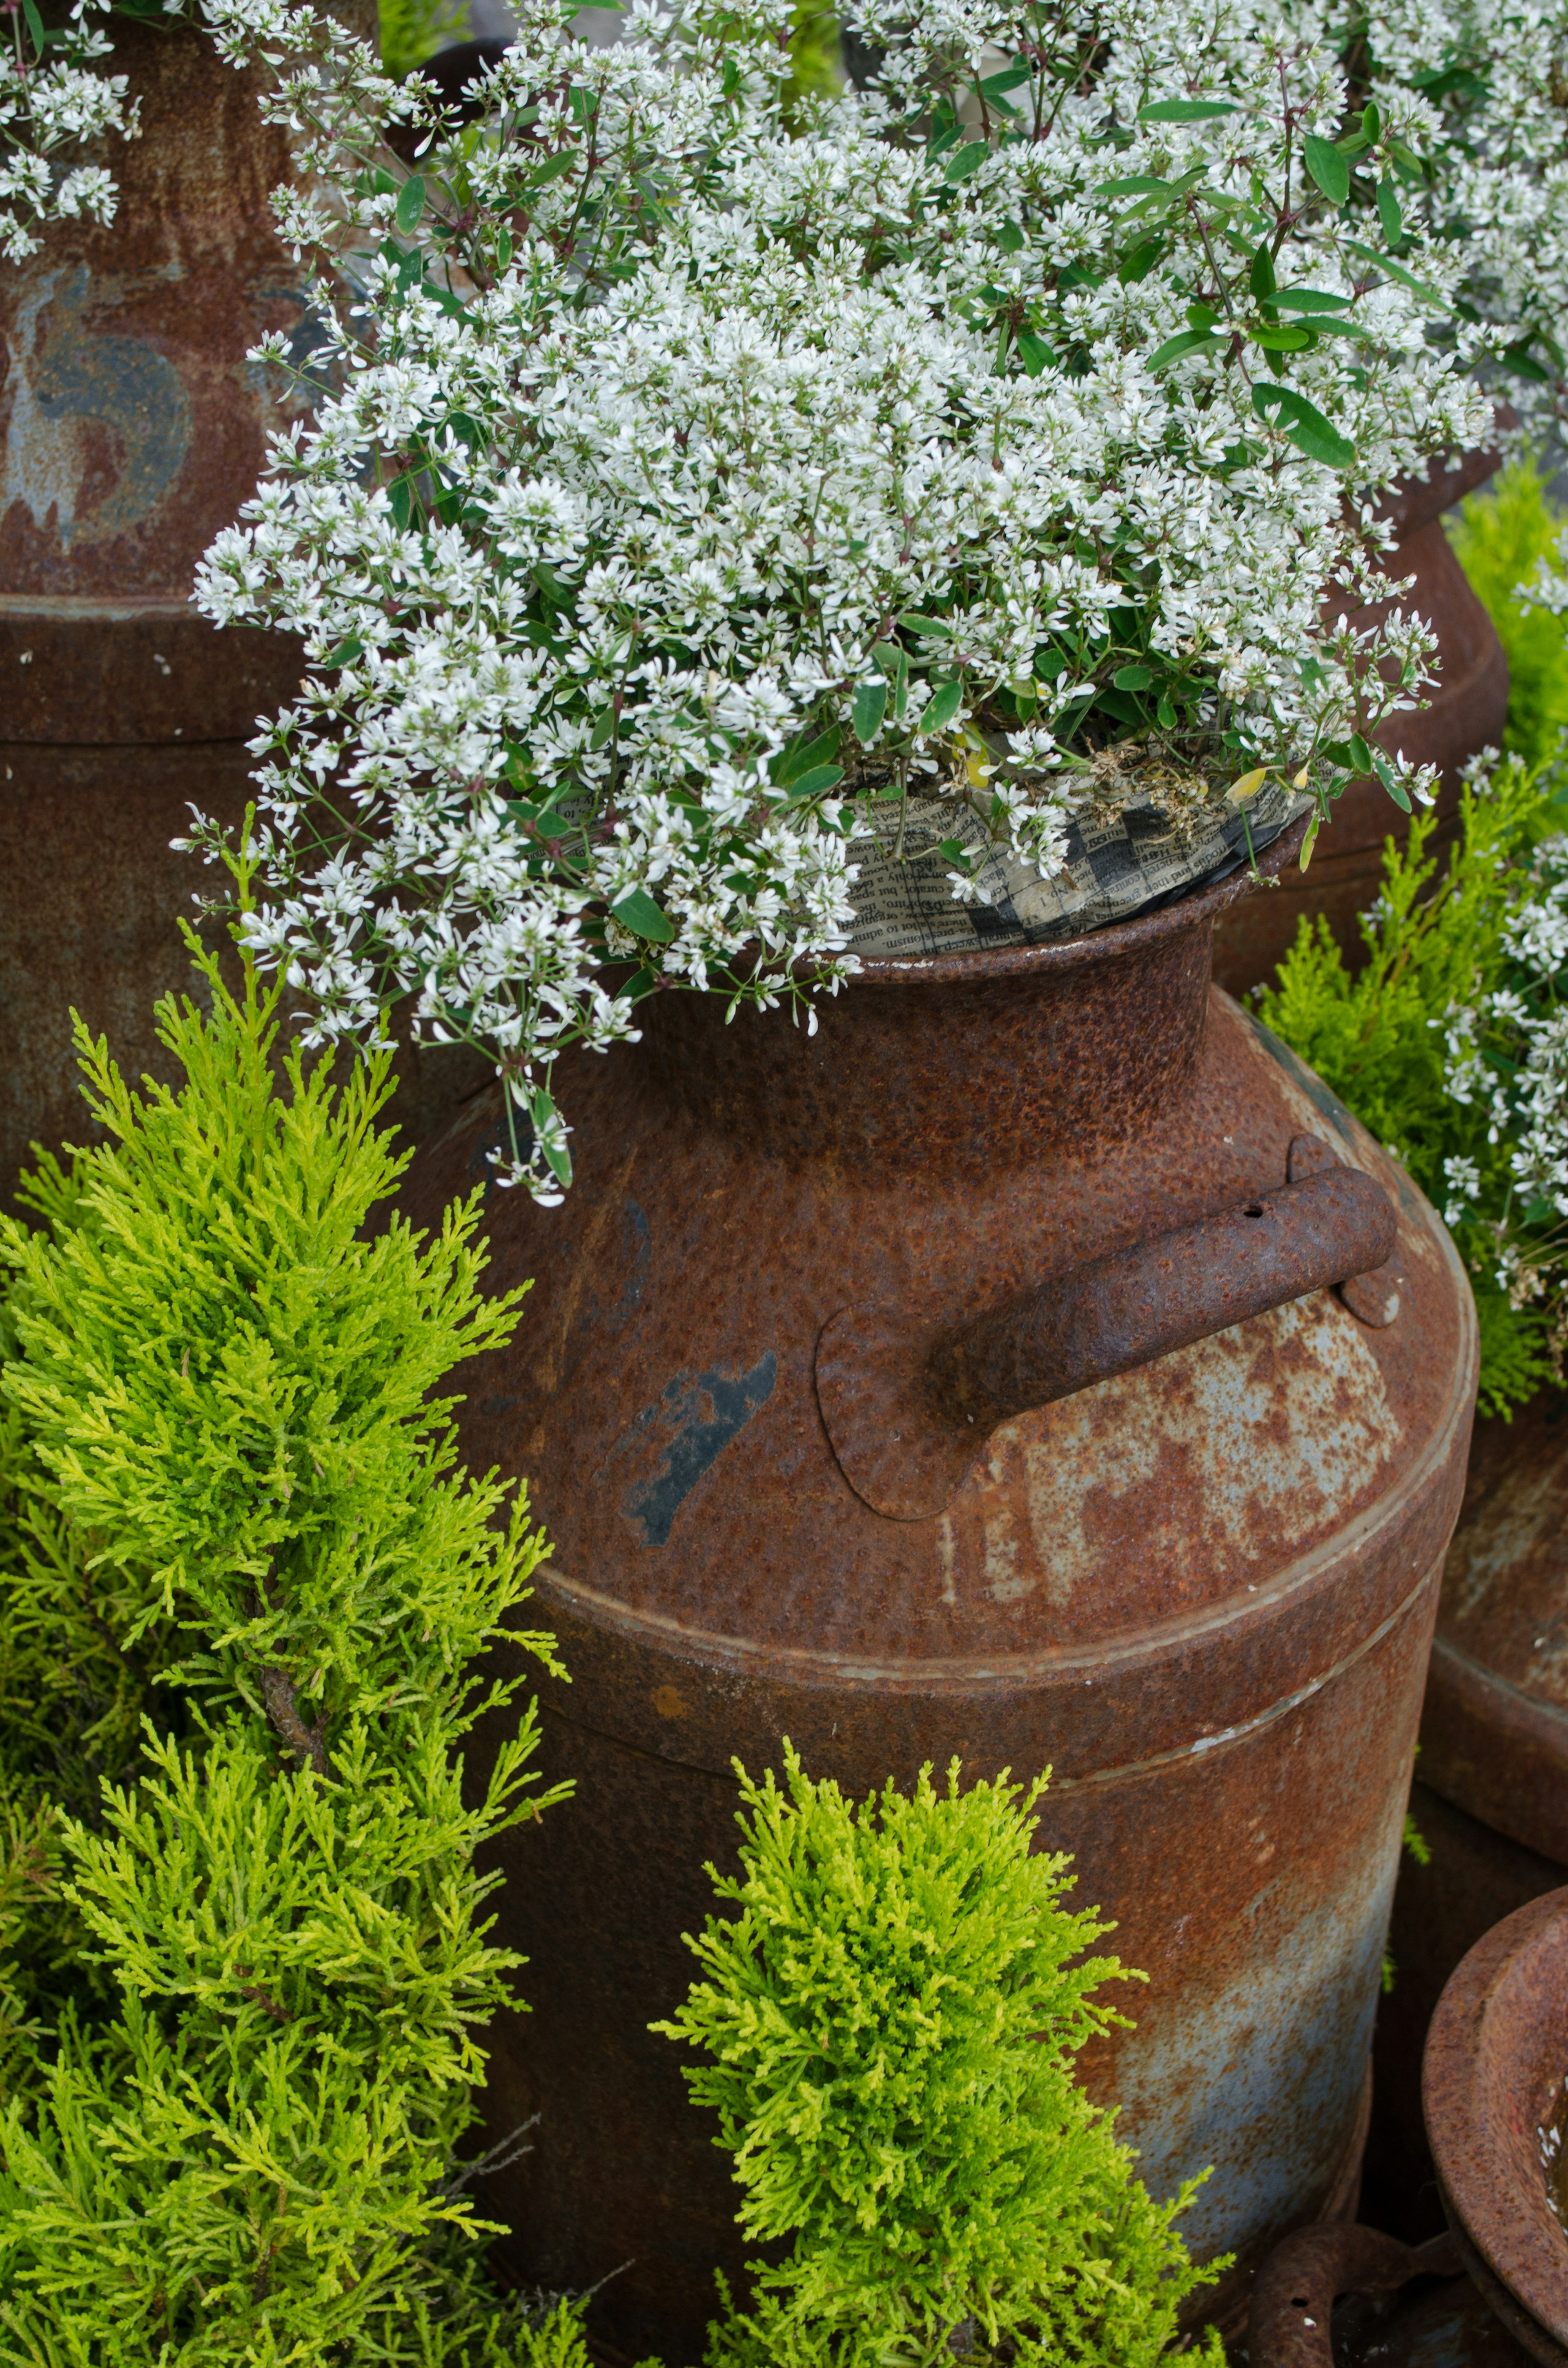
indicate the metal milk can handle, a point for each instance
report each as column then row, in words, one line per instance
column 908, row 1417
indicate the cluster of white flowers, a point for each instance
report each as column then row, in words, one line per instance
column 696, row 486
column 55, row 100
column 1507, row 1057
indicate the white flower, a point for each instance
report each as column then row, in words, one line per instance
column 689, row 492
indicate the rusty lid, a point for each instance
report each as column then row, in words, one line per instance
column 1496, row 2059
column 1495, row 1733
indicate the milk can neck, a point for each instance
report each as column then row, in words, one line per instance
column 971, row 1061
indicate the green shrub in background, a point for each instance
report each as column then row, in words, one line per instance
column 1500, row 536
column 890, row 2019
column 228, row 1459
column 1441, row 942
column 413, row 30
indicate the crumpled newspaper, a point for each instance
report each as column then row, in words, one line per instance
column 1122, row 859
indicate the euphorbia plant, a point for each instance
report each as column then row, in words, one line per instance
column 699, row 502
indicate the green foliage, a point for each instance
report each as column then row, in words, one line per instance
column 225, row 1441
column 413, row 30
column 1436, row 944
column 890, row 2021
column 1501, row 535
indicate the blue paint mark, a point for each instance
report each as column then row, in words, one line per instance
column 681, row 1434
column 132, row 389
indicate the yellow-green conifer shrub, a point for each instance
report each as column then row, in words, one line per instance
column 226, row 1398
column 889, row 2019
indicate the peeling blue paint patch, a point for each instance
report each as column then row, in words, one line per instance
column 674, row 1441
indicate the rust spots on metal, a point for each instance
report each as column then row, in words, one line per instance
column 1496, row 2055
column 909, row 1417
column 1200, row 1590
column 1293, row 2298
column 1495, row 1733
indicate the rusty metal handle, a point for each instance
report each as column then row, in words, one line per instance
column 1295, row 2291
column 1120, row 1312
column 909, row 1415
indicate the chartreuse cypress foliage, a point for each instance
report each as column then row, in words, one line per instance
column 890, row 2019
column 228, row 1460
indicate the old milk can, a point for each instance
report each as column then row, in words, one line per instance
column 968, row 1378
column 131, row 428
column 1492, row 1803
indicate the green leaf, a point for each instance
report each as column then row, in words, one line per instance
column 813, row 783
column 1309, row 300
column 804, row 753
column 1186, row 110
column 1260, row 274
column 871, row 706
column 552, row 167
column 1397, row 271
column 1034, row 353
column 1388, row 211
column 35, row 25
column 968, row 160
column 1008, row 237
column 541, row 1109
column 1327, row 168
column 1310, row 841
column 1371, row 123
column 603, row 730
column 1141, row 262
column 1011, row 77
column 1384, row 768
column 1187, row 341
column 504, row 247
column 941, row 707
column 1277, row 340
column 1136, row 185
column 1360, row 754
column 1308, row 429
column 1133, row 677
column 927, row 626
column 410, row 203
column 636, row 912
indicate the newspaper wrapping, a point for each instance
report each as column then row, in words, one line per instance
column 1120, row 862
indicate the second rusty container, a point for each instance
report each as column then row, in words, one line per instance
column 773, row 1394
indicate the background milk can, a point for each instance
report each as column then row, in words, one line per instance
column 1492, row 1800
column 131, row 428
column 773, row 1395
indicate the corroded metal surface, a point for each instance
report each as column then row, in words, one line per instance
column 1201, row 1591
column 1473, row 1878
column 131, row 428
column 1494, row 1732
column 1496, row 2060
column 1467, row 713
column 1351, row 2296
column 910, row 1414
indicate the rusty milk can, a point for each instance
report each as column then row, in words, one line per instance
column 1493, row 1802
column 1467, row 712
column 779, row 1393
column 131, row 428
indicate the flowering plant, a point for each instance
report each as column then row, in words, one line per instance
column 54, row 102
column 698, row 498
column 1450, row 1042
